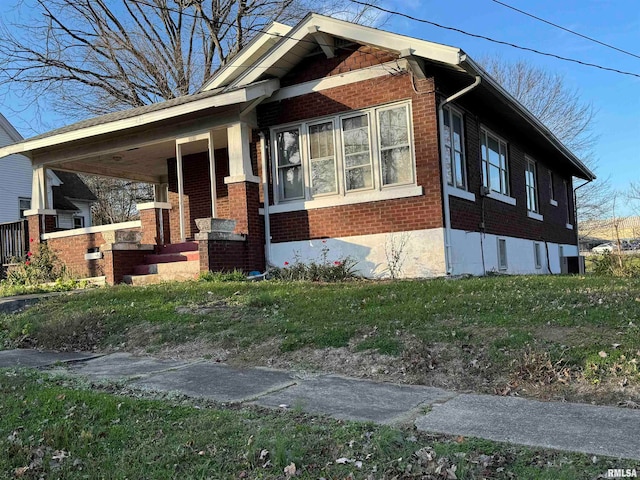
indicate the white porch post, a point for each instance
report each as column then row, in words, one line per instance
column 39, row 198
column 212, row 174
column 238, row 139
column 180, row 190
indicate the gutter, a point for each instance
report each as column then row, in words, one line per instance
column 445, row 194
column 474, row 69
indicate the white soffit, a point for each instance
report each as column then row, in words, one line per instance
column 243, row 60
column 349, row 31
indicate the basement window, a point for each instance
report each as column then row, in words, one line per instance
column 537, row 255
column 502, row 254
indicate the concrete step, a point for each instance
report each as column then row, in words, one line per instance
column 187, row 267
column 178, row 248
column 152, row 279
column 171, row 257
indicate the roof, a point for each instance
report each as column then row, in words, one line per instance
column 72, row 187
column 10, row 129
column 254, row 72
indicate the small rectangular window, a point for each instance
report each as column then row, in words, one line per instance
column 532, row 186
column 567, row 191
column 357, row 153
column 454, row 148
column 552, row 190
column 502, row 254
column 495, row 171
column 23, row 204
column 537, row 255
column 78, row 222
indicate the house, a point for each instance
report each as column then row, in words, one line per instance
column 325, row 135
column 67, row 193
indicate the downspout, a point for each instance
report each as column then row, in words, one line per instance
column 575, row 211
column 445, row 196
column 265, row 193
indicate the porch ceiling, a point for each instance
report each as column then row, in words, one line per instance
column 147, row 163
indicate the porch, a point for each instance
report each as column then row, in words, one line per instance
column 203, row 162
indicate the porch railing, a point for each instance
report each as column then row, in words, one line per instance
column 14, row 241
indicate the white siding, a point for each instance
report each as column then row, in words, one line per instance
column 15, row 181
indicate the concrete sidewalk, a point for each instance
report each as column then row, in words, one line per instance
column 572, row 427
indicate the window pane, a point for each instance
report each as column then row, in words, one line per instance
column 494, row 152
column 357, row 160
column 358, row 178
column 321, row 140
column 457, row 132
column 396, row 166
column 460, row 181
column 502, row 254
column 291, row 181
column 393, row 127
column 448, row 164
column 323, row 176
column 288, row 147
column 494, row 178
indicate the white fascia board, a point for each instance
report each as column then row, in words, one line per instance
column 242, row 61
column 241, row 95
column 356, row 33
column 473, row 68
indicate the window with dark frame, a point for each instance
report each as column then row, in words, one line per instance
column 23, row 205
column 532, row 186
column 495, row 169
column 454, row 148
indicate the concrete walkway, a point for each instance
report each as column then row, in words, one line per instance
column 572, row 427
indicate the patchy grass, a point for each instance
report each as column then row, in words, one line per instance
column 481, row 334
column 59, row 428
column 9, row 290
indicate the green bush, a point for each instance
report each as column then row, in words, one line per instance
column 37, row 268
column 612, row 264
column 233, row 276
column 337, row 271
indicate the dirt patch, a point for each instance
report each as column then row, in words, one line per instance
column 74, row 333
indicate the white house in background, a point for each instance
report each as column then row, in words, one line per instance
column 68, row 194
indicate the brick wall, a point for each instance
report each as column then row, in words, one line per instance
column 197, row 191
column 501, row 218
column 71, row 251
column 413, row 213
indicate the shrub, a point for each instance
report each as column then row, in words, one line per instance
column 322, row 270
column 232, row 276
column 610, row 264
column 43, row 266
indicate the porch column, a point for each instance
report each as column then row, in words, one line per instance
column 154, row 217
column 40, row 217
column 244, row 195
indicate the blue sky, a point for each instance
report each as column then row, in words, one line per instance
column 616, row 97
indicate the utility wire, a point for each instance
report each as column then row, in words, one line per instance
column 567, row 29
column 539, row 52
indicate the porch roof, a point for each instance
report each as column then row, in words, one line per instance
column 140, row 116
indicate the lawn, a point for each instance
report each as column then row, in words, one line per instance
column 57, row 427
column 550, row 337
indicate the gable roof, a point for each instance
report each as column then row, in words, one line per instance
column 72, row 187
column 304, row 37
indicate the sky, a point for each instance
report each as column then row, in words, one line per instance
column 616, row 97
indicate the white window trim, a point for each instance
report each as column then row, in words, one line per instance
column 336, row 201
column 456, row 192
column 376, row 192
column 506, row 254
column 452, row 187
column 486, row 131
column 553, row 202
column 372, row 162
column 569, row 226
column 502, row 198
column 535, row 216
column 338, row 177
column 530, row 161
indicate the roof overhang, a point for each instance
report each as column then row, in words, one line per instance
column 199, row 102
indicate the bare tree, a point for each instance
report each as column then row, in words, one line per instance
column 89, row 57
column 117, row 199
column 562, row 110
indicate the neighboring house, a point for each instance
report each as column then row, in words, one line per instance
column 330, row 135
column 67, row 193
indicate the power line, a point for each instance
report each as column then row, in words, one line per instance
column 528, row 49
column 567, row 29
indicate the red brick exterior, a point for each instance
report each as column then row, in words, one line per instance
column 71, row 251
column 223, row 256
column 151, row 232
column 413, row 213
column 501, row 218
